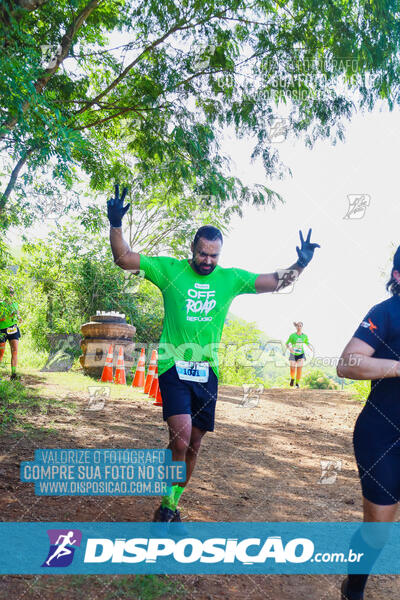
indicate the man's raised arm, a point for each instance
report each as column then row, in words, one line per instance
column 123, row 255
column 271, row 282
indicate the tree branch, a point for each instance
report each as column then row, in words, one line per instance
column 30, row 4
column 62, row 53
column 121, row 76
column 180, row 26
column 104, row 120
column 14, row 7
column 14, row 177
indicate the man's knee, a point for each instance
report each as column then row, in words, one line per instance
column 179, row 444
column 195, row 443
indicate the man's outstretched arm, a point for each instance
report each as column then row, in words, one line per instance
column 124, row 257
column 271, row 282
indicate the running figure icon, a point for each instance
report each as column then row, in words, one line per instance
column 62, row 550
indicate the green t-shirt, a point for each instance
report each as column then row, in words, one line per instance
column 195, row 307
column 8, row 313
column 297, row 342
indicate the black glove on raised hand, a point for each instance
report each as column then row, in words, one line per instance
column 115, row 207
column 306, row 251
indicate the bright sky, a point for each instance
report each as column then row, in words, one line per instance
column 345, row 277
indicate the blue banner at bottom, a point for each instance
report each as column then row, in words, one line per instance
column 199, row 548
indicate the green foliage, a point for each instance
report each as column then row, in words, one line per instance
column 148, row 88
column 64, row 279
column 282, row 381
column 317, row 379
column 275, row 362
column 159, row 223
column 360, row 390
column 5, row 280
column 239, row 356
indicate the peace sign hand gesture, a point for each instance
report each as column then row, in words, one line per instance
column 115, row 207
column 306, row 252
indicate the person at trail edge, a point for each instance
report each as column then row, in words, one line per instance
column 373, row 354
column 197, row 294
column 295, row 344
column 9, row 329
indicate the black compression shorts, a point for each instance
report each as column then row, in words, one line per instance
column 296, row 356
column 9, row 333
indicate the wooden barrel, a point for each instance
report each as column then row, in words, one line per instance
column 98, row 334
column 112, row 331
column 108, row 318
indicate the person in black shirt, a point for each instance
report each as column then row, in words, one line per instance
column 373, row 353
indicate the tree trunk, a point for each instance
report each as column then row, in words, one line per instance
column 13, row 178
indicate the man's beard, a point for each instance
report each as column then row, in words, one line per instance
column 199, row 268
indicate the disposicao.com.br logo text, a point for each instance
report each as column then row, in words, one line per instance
column 213, row 550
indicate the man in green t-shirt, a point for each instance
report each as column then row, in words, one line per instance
column 197, row 294
column 9, row 329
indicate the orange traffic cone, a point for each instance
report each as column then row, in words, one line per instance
column 107, row 374
column 154, row 385
column 120, row 370
column 158, row 401
column 150, row 372
column 138, row 380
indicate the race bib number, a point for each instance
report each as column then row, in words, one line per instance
column 192, row 371
column 11, row 330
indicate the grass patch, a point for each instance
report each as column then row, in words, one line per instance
column 105, row 587
column 17, row 401
column 47, row 391
column 146, row 587
column 77, row 382
column 360, row 389
column 28, row 354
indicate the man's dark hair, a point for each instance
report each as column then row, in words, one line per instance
column 209, row 232
column 392, row 284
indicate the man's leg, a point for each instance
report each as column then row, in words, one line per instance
column 203, row 415
column 299, row 365
column 292, row 371
column 2, row 350
column 180, row 431
column 193, row 451
column 185, row 438
column 14, row 357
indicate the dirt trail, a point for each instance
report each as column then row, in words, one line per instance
column 262, row 463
